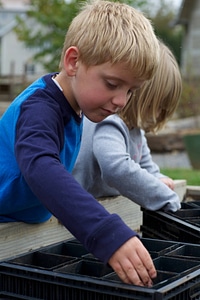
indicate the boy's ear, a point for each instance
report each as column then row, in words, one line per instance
column 70, row 60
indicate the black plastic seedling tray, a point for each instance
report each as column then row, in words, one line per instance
column 155, row 234
column 11, row 296
column 186, row 252
column 42, row 260
column 86, row 267
column 190, row 215
column 86, row 278
column 68, row 248
column 192, row 204
column 48, row 286
column 186, row 213
column 181, row 226
column 158, row 248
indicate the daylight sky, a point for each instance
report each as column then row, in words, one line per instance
column 175, row 3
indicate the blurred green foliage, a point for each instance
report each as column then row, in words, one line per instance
column 190, row 175
column 190, row 99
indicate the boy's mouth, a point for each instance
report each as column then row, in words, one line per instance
column 109, row 112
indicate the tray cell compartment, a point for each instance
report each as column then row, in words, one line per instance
column 86, row 268
column 42, row 260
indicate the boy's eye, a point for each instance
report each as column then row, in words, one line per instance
column 111, row 85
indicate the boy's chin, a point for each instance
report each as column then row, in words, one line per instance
column 96, row 118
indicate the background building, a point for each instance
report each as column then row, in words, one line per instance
column 189, row 18
column 15, row 57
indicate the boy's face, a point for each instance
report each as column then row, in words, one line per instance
column 102, row 90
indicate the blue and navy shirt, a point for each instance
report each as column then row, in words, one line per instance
column 40, row 136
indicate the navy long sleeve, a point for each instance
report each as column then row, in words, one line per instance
column 40, row 137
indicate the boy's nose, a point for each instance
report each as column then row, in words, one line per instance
column 120, row 100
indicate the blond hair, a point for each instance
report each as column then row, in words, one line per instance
column 155, row 102
column 114, row 32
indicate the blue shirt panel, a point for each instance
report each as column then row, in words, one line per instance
column 17, row 202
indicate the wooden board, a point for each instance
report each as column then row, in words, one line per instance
column 18, row 237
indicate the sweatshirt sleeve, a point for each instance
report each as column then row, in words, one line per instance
column 37, row 150
column 146, row 161
column 121, row 172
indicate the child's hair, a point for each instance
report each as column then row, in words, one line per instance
column 155, row 102
column 114, row 32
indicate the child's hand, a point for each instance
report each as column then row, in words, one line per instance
column 168, row 181
column 133, row 263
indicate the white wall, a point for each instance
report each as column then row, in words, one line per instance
column 14, row 56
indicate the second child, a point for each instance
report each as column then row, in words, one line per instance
column 115, row 158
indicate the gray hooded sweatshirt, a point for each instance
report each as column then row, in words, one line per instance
column 114, row 160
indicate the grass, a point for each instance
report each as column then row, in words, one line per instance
column 192, row 176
